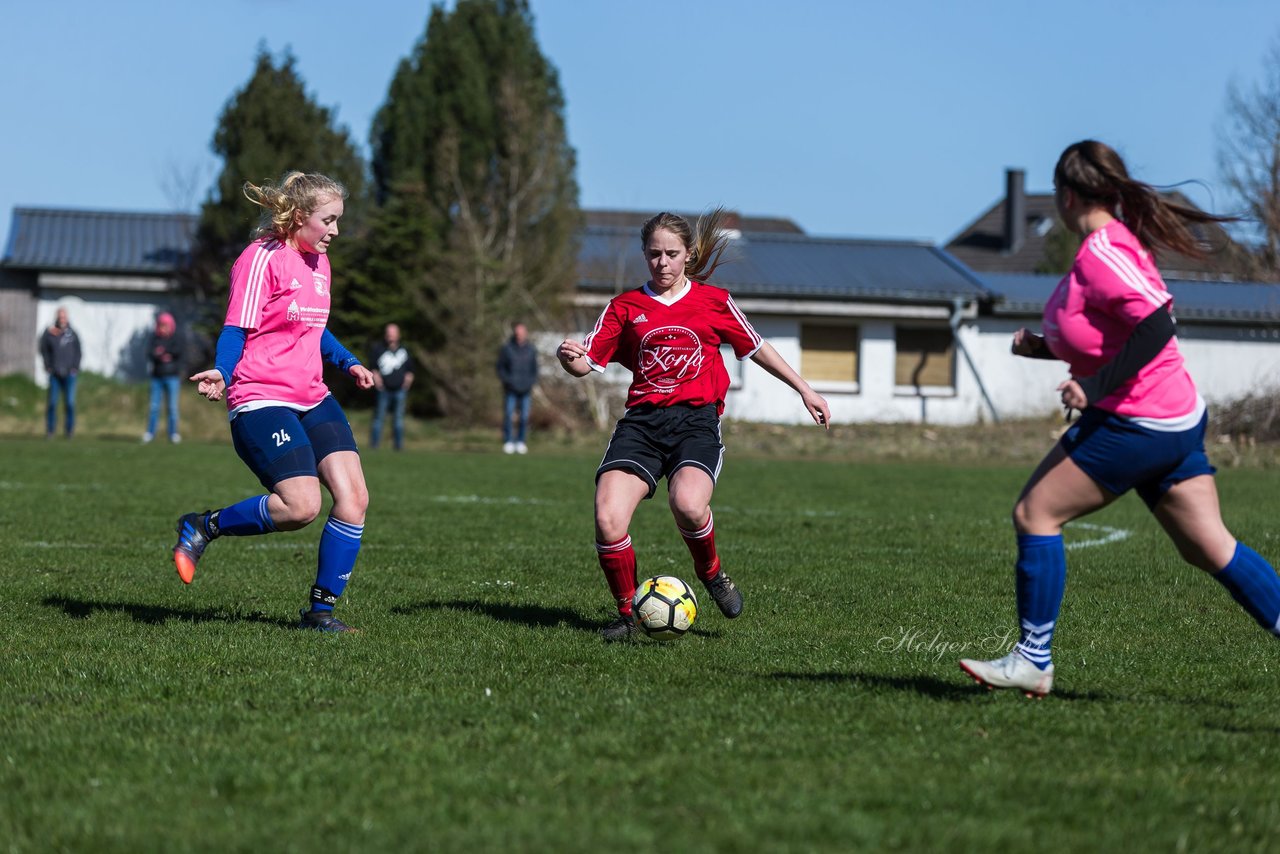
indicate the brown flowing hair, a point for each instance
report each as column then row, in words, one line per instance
column 706, row 243
column 1095, row 172
column 297, row 192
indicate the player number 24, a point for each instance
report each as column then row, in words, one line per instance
column 281, row 437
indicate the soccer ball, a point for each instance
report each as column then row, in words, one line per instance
column 664, row 607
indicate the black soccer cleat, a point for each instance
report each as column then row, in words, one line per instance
column 727, row 595
column 621, row 629
column 193, row 539
column 323, row 621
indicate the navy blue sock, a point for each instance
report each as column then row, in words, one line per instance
column 1254, row 584
column 339, row 547
column 242, row 519
column 1041, row 580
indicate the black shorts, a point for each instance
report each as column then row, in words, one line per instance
column 654, row 441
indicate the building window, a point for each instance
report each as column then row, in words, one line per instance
column 925, row 361
column 829, row 356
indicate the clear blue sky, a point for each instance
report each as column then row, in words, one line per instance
column 853, row 118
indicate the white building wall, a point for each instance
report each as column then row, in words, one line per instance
column 1224, row 362
column 114, row 329
column 874, row 398
column 1226, row 366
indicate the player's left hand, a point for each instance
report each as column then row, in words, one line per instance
column 362, row 375
column 818, row 408
column 1073, row 396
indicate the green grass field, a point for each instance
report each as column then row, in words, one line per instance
column 478, row 710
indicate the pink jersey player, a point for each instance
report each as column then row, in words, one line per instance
column 1112, row 287
column 1142, row 423
column 285, row 426
column 280, row 296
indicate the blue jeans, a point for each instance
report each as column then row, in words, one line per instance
column 395, row 399
column 513, row 400
column 168, row 387
column 64, row 387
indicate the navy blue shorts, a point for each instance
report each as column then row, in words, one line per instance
column 278, row 442
column 654, row 441
column 1120, row 455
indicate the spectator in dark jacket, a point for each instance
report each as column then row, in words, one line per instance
column 60, row 351
column 392, row 377
column 165, row 356
column 518, row 370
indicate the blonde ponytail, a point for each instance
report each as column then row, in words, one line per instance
column 297, row 192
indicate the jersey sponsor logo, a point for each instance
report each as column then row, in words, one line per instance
column 293, row 313
column 668, row 356
column 640, row 319
column 294, row 285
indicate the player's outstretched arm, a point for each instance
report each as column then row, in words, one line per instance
column 768, row 358
column 573, row 358
column 209, row 384
column 362, row 375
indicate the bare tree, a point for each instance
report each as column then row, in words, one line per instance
column 184, row 184
column 1249, row 160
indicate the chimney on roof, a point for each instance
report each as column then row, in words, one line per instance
column 1015, row 209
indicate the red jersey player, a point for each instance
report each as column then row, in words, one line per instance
column 668, row 333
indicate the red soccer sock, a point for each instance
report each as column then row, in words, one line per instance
column 702, row 545
column 618, row 560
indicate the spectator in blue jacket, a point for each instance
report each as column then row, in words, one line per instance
column 518, row 370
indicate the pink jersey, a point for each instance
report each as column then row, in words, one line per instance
column 281, row 296
column 672, row 351
column 1112, row 286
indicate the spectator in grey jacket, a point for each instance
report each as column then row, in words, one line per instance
column 60, row 351
column 518, row 370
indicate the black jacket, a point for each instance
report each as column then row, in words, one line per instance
column 61, row 353
column 518, row 366
column 165, row 355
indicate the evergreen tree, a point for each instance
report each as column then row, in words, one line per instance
column 268, row 128
column 1060, row 248
column 477, row 201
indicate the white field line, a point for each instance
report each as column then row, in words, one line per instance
column 1108, row 536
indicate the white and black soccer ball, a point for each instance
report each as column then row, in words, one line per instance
column 664, row 607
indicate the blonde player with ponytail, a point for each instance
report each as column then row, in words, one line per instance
column 668, row 333
column 285, row 424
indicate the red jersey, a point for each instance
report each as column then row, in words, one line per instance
column 672, row 351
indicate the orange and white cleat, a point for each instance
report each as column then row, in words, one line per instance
column 193, row 539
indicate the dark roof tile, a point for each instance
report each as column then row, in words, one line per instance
column 107, row 241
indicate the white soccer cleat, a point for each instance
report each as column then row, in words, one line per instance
column 508, row 447
column 1012, row 671
column 522, row 448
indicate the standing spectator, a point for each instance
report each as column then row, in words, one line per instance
column 392, row 377
column 518, row 370
column 165, row 356
column 60, row 350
